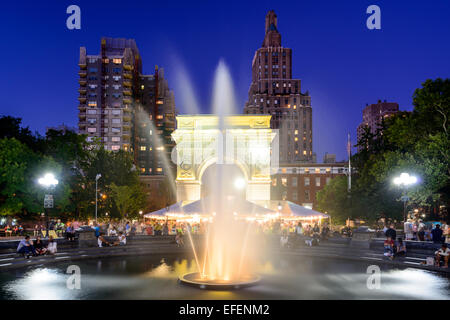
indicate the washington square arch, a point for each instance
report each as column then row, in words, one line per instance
column 245, row 142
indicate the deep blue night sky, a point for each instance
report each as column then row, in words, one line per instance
column 342, row 63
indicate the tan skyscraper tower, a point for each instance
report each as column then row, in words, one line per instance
column 273, row 91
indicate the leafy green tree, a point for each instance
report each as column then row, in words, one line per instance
column 129, row 200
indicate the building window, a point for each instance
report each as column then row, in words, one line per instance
column 284, row 182
column 115, row 120
column 117, row 61
column 306, row 195
column 115, row 148
column 143, row 148
column 328, row 179
column 115, row 139
column 92, row 103
column 294, row 181
column 92, row 130
column 294, row 196
column 274, row 182
column 159, row 169
column 317, row 181
column 306, row 181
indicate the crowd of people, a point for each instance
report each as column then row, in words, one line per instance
column 393, row 249
column 416, row 229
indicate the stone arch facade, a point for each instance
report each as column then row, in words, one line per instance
column 244, row 141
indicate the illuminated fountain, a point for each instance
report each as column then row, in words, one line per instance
column 224, row 140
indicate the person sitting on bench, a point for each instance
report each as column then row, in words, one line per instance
column 102, row 242
column 39, row 246
column 26, row 247
column 122, row 240
column 401, row 248
column 441, row 256
column 51, row 247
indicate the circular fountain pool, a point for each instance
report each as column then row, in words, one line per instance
column 282, row 277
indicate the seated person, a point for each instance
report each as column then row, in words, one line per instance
column 389, row 247
column 39, row 246
column 122, row 240
column 51, row 247
column 113, row 232
column 8, row 231
column 401, row 248
column 102, row 242
column 70, row 233
column 26, row 247
column 441, row 256
column 179, row 239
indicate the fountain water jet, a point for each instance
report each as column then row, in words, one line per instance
column 226, row 262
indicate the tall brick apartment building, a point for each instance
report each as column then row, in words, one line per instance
column 128, row 110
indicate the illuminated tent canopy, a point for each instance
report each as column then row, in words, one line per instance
column 273, row 209
column 292, row 211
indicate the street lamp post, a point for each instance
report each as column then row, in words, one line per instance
column 404, row 181
column 48, row 182
column 98, row 176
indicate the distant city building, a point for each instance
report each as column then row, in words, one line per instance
column 273, row 91
column 300, row 183
column 107, row 82
column 62, row 127
column 155, row 121
column 329, row 158
column 373, row 115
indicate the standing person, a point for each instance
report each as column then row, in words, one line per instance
column 436, row 234
column 70, row 233
column 316, row 228
column 37, row 230
column 165, row 230
column 96, row 229
column 421, row 234
column 325, row 231
column 391, row 233
column 127, row 229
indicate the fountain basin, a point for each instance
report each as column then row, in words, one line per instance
column 195, row 280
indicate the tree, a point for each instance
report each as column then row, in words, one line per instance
column 129, row 200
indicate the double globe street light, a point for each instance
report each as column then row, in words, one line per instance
column 405, row 180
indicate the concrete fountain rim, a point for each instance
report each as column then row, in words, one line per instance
column 184, row 279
